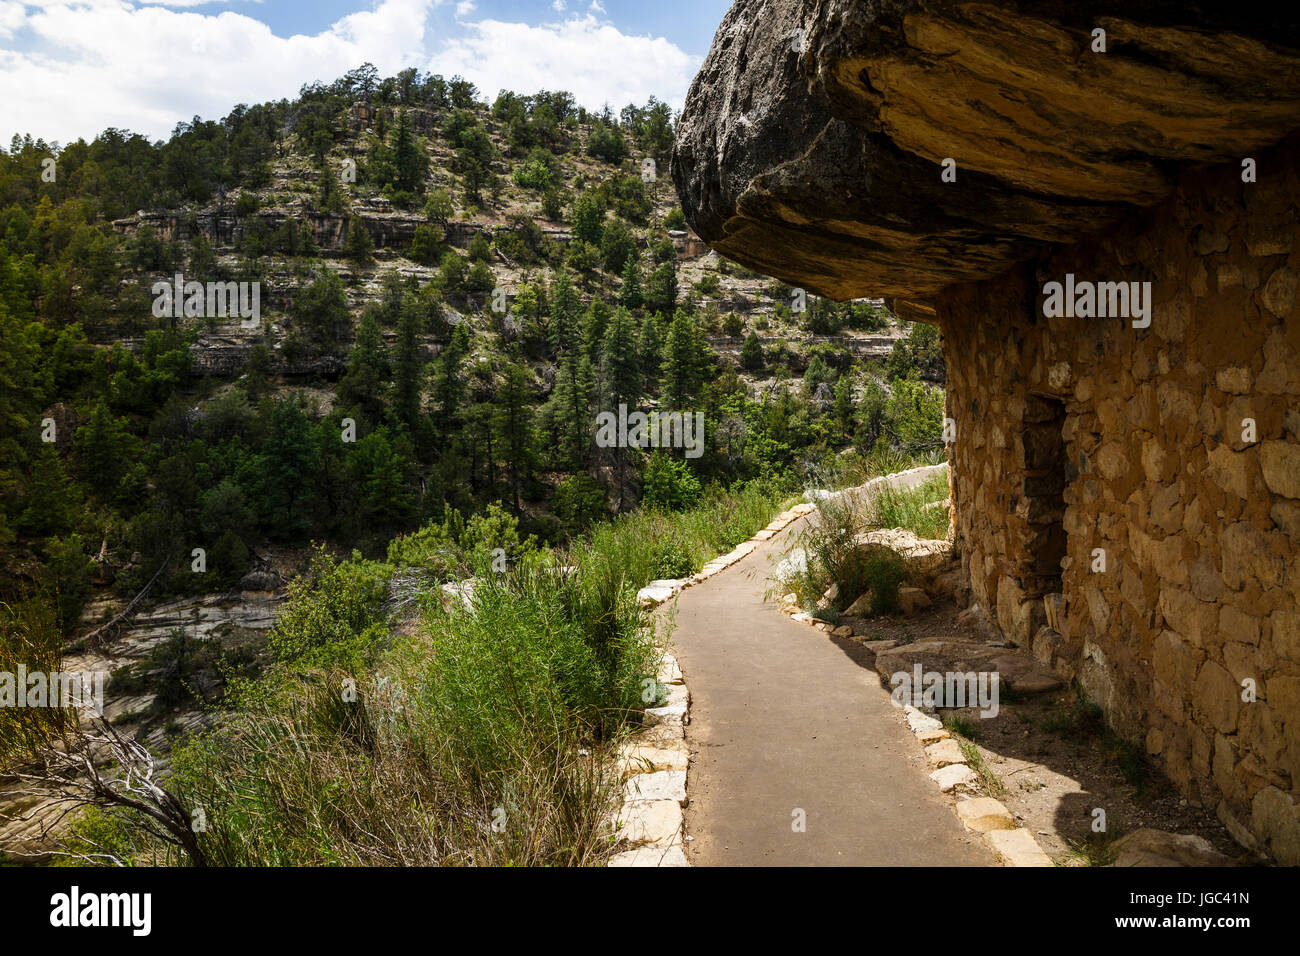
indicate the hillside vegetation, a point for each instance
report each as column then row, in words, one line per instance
column 451, row 291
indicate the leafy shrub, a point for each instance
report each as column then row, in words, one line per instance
column 669, row 483
column 334, row 615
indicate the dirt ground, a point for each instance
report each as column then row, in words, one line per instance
column 1052, row 761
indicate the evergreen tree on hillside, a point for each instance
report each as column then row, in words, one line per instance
column 357, row 244
column 362, row 387
column 629, row 295
column 651, row 349
column 408, row 367
column 588, row 218
column 410, row 162
column 687, row 361
column 514, row 423
column 564, row 325
column 751, row 353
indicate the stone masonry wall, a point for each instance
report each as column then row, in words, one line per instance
column 1075, row 434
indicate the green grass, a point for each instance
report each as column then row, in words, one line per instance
column 960, row 726
column 890, row 508
column 481, row 738
column 990, row 782
column 1097, row 850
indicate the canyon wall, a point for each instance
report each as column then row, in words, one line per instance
column 1127, row 497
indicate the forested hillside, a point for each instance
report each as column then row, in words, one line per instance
column 450, row 291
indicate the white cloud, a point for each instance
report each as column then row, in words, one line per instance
column 11, row 18
column 100, row 63
column 465, row 8
column 558, row 6
column 106, row 63
column 594, row 61
column 596, row 7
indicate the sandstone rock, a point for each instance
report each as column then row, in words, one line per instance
column 944, row 752
column 1148, row 847
column 827, row 125
column 650, row 856
column 1016, row 847
column 955, row 777
column 656, row 592
column 920, row 555
column 652, row 821
column 659, row 785
column 674, row 710
column 860, row 606
column 1280, row 461
column 842, row 631
column 920, row 722
column 983, row 814
column 647, row 758
column 669, row 672
column 911, row 600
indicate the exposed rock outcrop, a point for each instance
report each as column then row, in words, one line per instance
column 811, row 143
column 1124, row 482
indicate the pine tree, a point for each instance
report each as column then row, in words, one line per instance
column 685, row 363
column 651, row 349
column 102, row 445
column 622, row 363
column 50, row 503
column 449, row 383
column 514, row 424
column 358, row 245
column 621, row 374
column 630, row 296
column 593, row 333
column 409, row 159
column 751, row 353
column 362, row 387
column 564, row 317
column 408, row 366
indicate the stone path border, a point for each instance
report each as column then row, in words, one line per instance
column 1012, row 845
column 653, row 763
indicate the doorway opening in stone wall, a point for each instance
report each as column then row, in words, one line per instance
column 1047, row 472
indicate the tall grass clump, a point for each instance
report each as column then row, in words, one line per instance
column 483, row 734
column 29, row 637
column 894, row 508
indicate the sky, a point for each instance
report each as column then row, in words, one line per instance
column 71, row 68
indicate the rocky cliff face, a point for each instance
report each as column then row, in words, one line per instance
column 812, row 142
column 1126, row 487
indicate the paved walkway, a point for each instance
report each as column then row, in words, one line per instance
column 783, row 719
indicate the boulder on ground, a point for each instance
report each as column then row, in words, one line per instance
column 1147, row 847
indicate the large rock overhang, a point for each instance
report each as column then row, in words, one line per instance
column 811, row 143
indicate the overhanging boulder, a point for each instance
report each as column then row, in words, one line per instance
column 811, row 142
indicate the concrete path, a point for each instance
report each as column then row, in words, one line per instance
column 783, row 719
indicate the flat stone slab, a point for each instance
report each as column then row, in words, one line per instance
column 919, row 721
column 674, row 709
column 928, row 737
column 661, row 735
column 657, row 822
column 955, row 778
column 944, row 753
column 650, row 856
column 1017, row 848
column 669, row 672
column 983, row 814
column 1147, row 847
column 656, row 592
column 660, row 785
column 647, row 759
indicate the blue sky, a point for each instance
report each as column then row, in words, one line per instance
column 70, row 68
